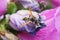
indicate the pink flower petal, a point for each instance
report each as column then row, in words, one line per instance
column 51, row 32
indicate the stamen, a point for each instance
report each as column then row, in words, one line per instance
column 24, row 24
column 30, row 12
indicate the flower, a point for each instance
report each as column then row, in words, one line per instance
column 52, row 29
column 16, row 20
column 3, row 6
column 22, row 21
column 55, row 3
column 43, row 1
column 44, row 4
column 33, row 4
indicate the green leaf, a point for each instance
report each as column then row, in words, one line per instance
column 2, row 27
column 48, row 7
column 11, row 8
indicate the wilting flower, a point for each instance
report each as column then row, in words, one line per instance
column 54, row 3
column 44, row 4
column 22, row 21
column 3, row 6
column 33, row 4
column 52, row 29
